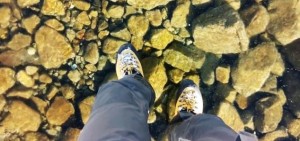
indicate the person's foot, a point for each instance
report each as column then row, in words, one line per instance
column 189, row 98
column 127, row 62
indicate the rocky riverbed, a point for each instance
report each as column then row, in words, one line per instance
column 243, row 54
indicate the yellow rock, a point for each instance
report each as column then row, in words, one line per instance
column 21, row 119
column 7, row 77
column 59, row 111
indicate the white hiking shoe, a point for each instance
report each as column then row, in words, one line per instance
column 189, row 98
column 127, row 62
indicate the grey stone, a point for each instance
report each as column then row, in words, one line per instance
column 184, row 57
column 160, row 38
column 207, row 72
column 147, row 4
column 254, row 68
column 138, row 25
column 269, row 112
column 220, row 31
column 53, row 48
column 155, row 74
column 256, row 19
column 180, row 16
column 228, row 113
column 284, row 25
column 91, row 53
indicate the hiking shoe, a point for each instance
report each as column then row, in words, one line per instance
column 127, row 62
column 189, row 98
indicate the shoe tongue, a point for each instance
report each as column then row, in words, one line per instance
column 131, row 70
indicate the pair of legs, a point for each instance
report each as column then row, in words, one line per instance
column 120, row 111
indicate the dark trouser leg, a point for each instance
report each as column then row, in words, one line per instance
column 203, row 127
column 120, row 111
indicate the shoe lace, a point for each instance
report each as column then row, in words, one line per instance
column 187, row 101
column 130, row 64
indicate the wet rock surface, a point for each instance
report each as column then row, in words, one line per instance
column 8, row 79
column 280, row 26
column 59, row 111
column 55, row 54
column 254, row 68
column 220, row 31
column 21, row 119
column 53, row 49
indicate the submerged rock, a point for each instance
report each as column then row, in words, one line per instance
column 112, row 45
column 269, row 112
column 194, row 77
column 45, row 78
column 53, row 7
column 31, row 70
column 36, row 136
column 26, row 3
column 184, row 57
column 67, row 91
column 175, row 75
column 85, row 108
column 160, row 38
column 15, row 58
column 31, row 23
column 81, row 5
column 19, row 41
column 292, row 52
column 155, row 17
column 180, row 16
column 115, row 11
column 254, row 68
column 123, row 34
column 83, row 18
column 293, row 127
column 137, row 42
column 207, row 72
column 91, row 53
column 201, row 2
column 284, row 25
column 5, row 16
column 147, row 4
column 74, row 76
column 256, row 19
column 25, row 79
column 7, row 77
column 72, row 134
column 280, row 134
column 2, row 102
column 235, row 4
column 59, row 111
column 227, row 112
column 40, row 104
column 223, row 74
column 138, row 25
column 55, row 24
column 279, row 66
column 23, row 93
column 53, row 48
column 21, row 119
column 225, row 92
column 178, row 59
column 292, row 90
column 213, row 32
column 155, row 74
